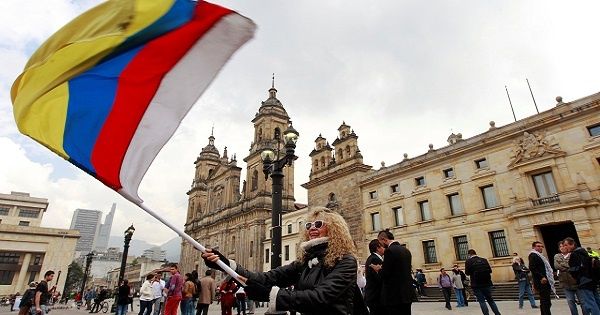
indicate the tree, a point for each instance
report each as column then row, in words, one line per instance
column 74, row 278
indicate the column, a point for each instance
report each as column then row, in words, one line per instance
column 20, row 285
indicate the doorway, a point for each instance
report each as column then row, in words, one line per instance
column 555, row 232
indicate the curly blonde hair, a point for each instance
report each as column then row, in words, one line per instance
column 340, row 241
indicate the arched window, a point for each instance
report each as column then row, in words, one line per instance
column 259, row 136
column 348, row 151
column 341, row 154
column 191, row 211
column 276, row 133
column 332, row 197
column 316, row 164
column 210, row 172
column 322, row 161
column 254, row 180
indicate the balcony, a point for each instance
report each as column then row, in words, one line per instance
column 546, row 200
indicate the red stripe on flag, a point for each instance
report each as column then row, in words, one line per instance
column 137, row 85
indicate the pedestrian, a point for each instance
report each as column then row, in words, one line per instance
column 11, row 300
column 522, row 276
column 465, row 282
column 187, row 295
column 98, row 299
column 421, row 281
column 198, row 290
column 173, row 288
column 123, row 297
column 581, row 268
column 478, row 268
column 27, row 299
column 207, row 293
column 240, row 297
column 227, row 290
column 569, row 284
column 445, row 285
column 543, row 276
column 397, row 289
column 373, row 286
column 459, row 288
column 147, row 295
column 158, row 286
column 43, row 294
column 324, row 276
column 89, row 296
column 131, row 295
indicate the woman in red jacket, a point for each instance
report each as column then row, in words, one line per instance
column 227, row 290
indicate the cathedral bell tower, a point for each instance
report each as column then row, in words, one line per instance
column 270, row 120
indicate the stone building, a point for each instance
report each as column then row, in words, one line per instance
column 292, row 229
column 224, row 213
column 27, row 250
column 497, row 192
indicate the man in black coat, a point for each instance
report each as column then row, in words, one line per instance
column 543, row 279
column 478, row 268
column 397, row 292
column 372, row 268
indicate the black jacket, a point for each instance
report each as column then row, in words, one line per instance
column 373, row 287
column 479, row 270
column 537, row 268
column 396, row 278
column 580, row 267
column 317, row 290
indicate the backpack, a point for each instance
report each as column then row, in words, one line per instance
column 27, row 299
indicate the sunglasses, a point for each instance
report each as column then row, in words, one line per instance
column 317, row 224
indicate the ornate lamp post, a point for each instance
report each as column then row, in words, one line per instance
column 128, row 235
column 273, row 165
column 88, row 262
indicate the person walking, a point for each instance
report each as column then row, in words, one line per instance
column 123, row 297
column 98, row 298
column 465, row 282
column 207, row 293
column 569, row 284
column 421, row 281
column 397, row 286
column 27, row 299
column 240, row 297
column 373, row 286
column 522, row 275
column 478, row 268
column 187, row 295
column 543, row 276
column 227, row 296
column 43, row 294
column 158, row 286
column 147, row 296
column 324, row 276
column 173, row 288
column 459, row 288
column 580, row 267
column 445, row 285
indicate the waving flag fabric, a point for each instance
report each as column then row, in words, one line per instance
column 108, row 90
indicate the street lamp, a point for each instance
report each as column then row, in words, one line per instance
column 128, row 235
column 88, row 262
column 273, row 165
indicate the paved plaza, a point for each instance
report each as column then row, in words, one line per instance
column 429, row 308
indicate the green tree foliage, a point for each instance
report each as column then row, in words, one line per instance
column 74, row 278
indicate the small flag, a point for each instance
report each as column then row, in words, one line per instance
column 109, row 89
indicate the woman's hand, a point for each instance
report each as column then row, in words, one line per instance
column 211, row 256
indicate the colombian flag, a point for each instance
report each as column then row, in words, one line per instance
column 109, row 89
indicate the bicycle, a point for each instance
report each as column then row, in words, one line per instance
column 103, row 307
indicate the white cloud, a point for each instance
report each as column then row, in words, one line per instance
column 403, row 74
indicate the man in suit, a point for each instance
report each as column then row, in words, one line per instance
column 543, row 277
column 372, row 268
column 397, row 293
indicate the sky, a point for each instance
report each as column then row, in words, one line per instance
column 403, row 74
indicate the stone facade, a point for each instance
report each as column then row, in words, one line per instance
column 229, row 216
column 497, row 192
column 292, row 227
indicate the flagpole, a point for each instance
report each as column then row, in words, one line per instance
column 509, row 101
column 183, row 235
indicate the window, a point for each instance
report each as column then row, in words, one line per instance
column 251, row 248
column 489, row 196
column 29, row 213
column 271, row 233
column 429, row 252
column 32, row 277
column 395, row 188
column 398, row 216
column 499, row 246
column 420, row 181
column 461, row 246
column 594, row 130
column 373, row 194
column 375, row 221
column 544, row 184
column 37, row 260
column 448, row 173
column 254, row 180
column 24, row 223
column 287, row 252
column 267, row 255
column 9, row 258
column 482, row 163
column 425, row 212
column 4, row 210
column 6, row 277
column 455, row 205
column 289, row 228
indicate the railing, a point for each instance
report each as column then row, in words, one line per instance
column 546, row 200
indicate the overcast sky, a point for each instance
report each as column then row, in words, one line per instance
column 403, row 74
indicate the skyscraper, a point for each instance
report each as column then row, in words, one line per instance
column 104, row 232
column 88, row 224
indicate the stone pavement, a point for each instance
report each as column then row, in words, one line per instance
column 429, row 308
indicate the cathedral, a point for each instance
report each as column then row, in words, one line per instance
column 219, row 212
